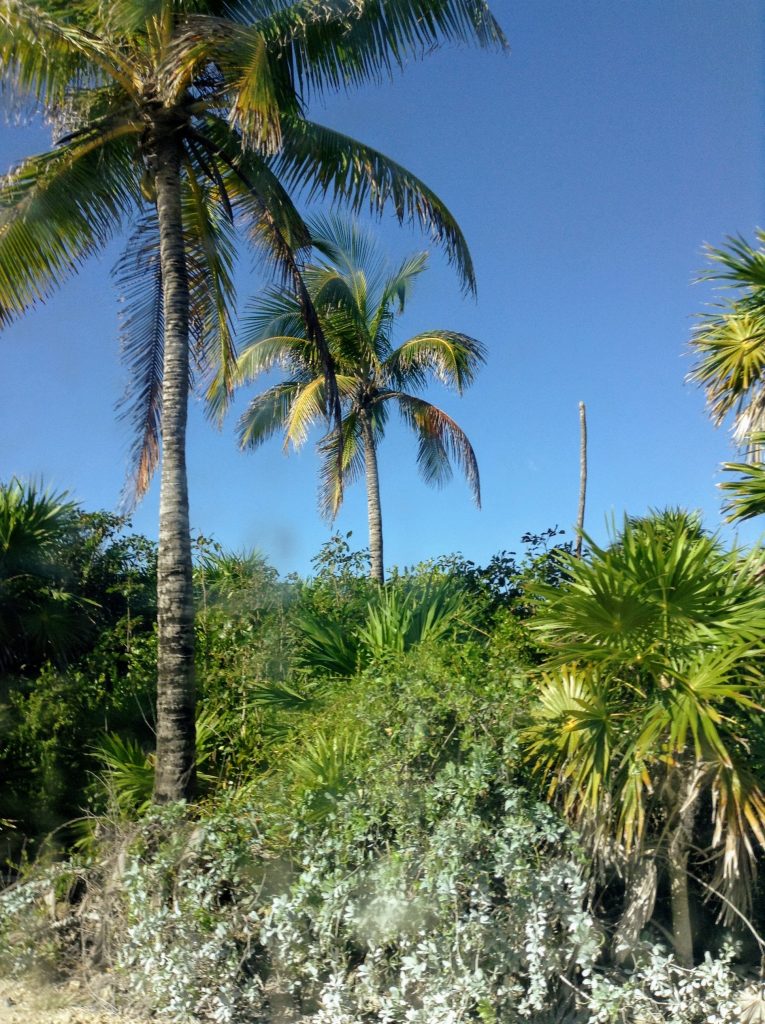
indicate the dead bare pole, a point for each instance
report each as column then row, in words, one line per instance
column 582, row 478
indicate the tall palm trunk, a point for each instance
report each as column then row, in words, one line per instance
column 374, row 511
column 175, row 770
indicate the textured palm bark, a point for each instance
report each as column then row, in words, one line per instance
column 175, row 765
column 677, row 867
column 639, row 904
column 374, row 511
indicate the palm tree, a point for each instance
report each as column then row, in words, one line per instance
column 176, row 117
column 40, row 617
column 357, row 299
column 729, row 344
column 645, row 706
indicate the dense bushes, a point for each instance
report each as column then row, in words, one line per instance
column 370, row 841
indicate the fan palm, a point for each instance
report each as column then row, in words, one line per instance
column 175, row 116
column 645, row 705
column 730, row 347
column 357, row 299
column 40, row 618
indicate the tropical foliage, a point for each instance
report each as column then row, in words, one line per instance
column 357, row 298
column 649, row 705
column 175, row 120
column 729, row 345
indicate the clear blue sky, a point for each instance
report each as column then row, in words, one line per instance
column 587, row 169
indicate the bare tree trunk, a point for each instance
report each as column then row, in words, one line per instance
column 582, row 477
column 677, row 864
column 175, row 769
column 639, row 903
column 374, row 511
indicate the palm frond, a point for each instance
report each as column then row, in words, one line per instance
column 441, row 441
column 267, row 414
column 747, row 493
column 138, row 277
column 341, row 464
column 738, row 263
column 211, row 256
column 334, row 46
column 324, row 162
column 276, row 226
column 43, row 55
column 571, row 738
column 731, row 360
column 58, row 208
column 398, row 285
column 453, row 358
column 295, row 354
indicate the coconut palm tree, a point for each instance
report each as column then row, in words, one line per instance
column 174, row 118
column 654, row 682
column 357, row 299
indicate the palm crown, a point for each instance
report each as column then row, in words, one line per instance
column 730, row 347
column 649, row 696
column 357, row 298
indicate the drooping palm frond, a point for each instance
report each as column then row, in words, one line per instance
column 440, row 441
column 266, row 414
column 211, row 257
column 294, row 354
column 570, row 741
column 324, row 162
column 275, row 226
column 43, row 55
column 341, row 464
column 453, row 358
column 348, row 43
column 138, row 277
column 59, row 208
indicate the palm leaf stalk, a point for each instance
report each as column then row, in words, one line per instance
column 357, row 299
column 178, row 116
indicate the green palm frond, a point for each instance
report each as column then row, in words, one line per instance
column 341, row 464
column 294, row 354
column 350, row 43
column 731, row 360
column 138, row 277
column 656, row 590
column 43, row 55
column 57, row 209
column 747, row 493
column 211, row 257
column 308, row 408
column 570, row 741
column 441, row 441
column 326, row 163
column 274, row 314
column 267, row 414
column 453, row 358
column 737, row 263
column 398, row 286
